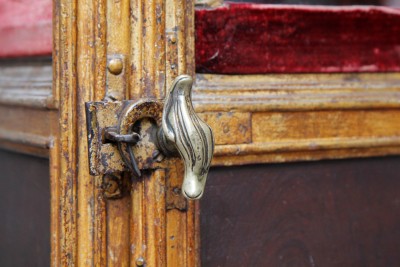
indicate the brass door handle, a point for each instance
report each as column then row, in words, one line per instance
column 113, row 144
column 184, row 132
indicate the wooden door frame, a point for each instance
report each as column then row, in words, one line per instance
column 156, row 40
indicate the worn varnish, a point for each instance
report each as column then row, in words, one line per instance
column 25, row 92
column 91, row 229
column 286, row 117
column 257, row 119
column 327, row 213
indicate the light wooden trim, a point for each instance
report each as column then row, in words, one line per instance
column 256, row 93
column 27, row 106
column 241, row 95
column 255, row 107
column 26, row 130
column 26, row 84
column 78, row 209
column 312, row 155
column 27, row 139
column 161, row 47
column 305, row 145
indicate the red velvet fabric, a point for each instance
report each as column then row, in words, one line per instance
column 25, row 28
column 250, row 39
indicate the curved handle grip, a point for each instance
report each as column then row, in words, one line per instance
column 183, row 131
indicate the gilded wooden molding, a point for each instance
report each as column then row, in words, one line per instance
column 235, row 101
column 26, row 84
column 232, row 103
column 278, row 118
column 257, row 93
column 87, row 228
column 26, row 130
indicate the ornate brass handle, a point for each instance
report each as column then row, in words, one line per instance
column 184, row 132
column 113, row 143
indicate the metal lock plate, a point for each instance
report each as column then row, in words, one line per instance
column 123, row 117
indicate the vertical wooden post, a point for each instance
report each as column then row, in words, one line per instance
column 79, row 60
column 156, row 38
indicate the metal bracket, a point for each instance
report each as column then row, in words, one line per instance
column 121, row 136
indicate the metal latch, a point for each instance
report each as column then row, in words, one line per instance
column 119, row 141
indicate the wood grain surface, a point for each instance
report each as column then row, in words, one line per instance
column 327, row 213
column 89, row 229
column 286, row 117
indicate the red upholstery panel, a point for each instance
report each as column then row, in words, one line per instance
column 250, row 38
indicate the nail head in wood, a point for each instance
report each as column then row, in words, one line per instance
column 115, row 66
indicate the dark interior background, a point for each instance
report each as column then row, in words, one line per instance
column 326, row 213
column 25, row 211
